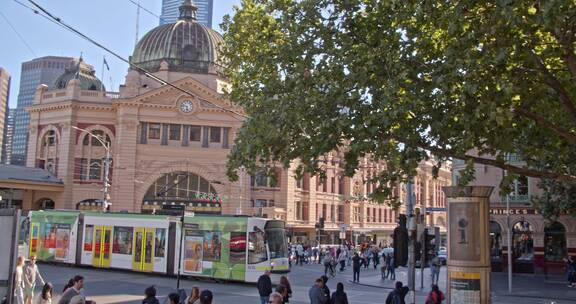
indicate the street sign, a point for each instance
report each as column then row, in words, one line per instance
column 435, row 209
column 342, row 235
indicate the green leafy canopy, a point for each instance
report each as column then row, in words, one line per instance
column 397, row 80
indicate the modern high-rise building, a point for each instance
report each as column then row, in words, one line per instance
column 170, row 11
column 43, row 70
column 4, row 95
column 6, row 155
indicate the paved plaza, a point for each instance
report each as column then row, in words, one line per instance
column 111, row 286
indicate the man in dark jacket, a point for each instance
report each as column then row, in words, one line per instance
column 325, row 287
column 397, row 295
column 356, row 267
column 316, row 293
column 264, row 287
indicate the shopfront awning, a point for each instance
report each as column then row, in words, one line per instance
column 27, row 178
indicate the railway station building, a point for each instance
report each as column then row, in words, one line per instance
column 167, row 144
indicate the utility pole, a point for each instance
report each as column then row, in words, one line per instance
column 508, row 239
column 411, row 239
column 423, row 256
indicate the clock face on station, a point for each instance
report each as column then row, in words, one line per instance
column 186, row 106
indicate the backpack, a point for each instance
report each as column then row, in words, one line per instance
column 397, row 299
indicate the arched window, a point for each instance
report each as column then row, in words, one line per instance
column 495, row 241
column 179, row 186
column 523, row 242
column 554, row 242
column 90, row 164
column 92, row 141
column 48, row 151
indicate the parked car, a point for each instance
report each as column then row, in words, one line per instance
column 443, row 255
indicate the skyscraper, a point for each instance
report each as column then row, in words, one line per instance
column 170, row 11
column 4, row 94
column 43, row 70
column 6, row 155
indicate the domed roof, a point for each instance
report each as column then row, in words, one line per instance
column 84, row 73
column 186, row 45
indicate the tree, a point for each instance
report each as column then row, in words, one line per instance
column 401, row 80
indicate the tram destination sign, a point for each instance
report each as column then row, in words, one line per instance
column 513, row 211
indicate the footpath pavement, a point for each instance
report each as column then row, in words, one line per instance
column 526, row 288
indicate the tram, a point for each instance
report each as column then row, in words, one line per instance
column 235, row 248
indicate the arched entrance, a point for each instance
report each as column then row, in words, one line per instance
column 44, row 204
column 179, row 188
column 554, row 242
column 523, row 247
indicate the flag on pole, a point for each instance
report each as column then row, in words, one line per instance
column 106, row 64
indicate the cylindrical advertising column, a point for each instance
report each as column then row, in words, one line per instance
column 468, row 261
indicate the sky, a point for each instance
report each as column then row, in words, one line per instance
column 109, row 22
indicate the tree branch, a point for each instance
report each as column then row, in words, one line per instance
column 501, row 164
column 571, row 138
column 555, row 84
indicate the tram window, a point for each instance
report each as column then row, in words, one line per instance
column 122, row 240
column 237, row 247
column 88, row 237
column 256, row 247
column 277, row 243
column 160, row 243
column 212, row 246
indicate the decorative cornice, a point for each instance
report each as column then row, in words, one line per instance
column 69, row 104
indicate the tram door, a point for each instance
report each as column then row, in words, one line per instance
column 143, row 249
column 34, row 232
column 102, row 248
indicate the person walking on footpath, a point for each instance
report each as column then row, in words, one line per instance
column 392, row 269
column 46, row 294
column 435, row 269
column 300, row 254
column 316, row 293
column 328, row 264
column 342, row 260
column 19, row 281
column 194, row 297
column 339, row 296
column 31, row 274
column 356, row 268
column 150, row 296
column 397, row 295
column 264, row 287
column 435, row 296
column 284, row 281
column 72, row 291
column 325, row 287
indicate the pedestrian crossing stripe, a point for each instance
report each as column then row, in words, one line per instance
column 465, row 275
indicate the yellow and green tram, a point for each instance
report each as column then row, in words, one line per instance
column 237, row 248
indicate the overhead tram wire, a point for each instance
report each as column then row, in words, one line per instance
column 145, row 72
column 18, row 34
column 144, row 9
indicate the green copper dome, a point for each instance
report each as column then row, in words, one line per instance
column 84, row 73
column 186, row 45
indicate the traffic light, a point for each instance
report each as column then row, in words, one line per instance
column 430, row 248
column 322, row 223
column 401, row 242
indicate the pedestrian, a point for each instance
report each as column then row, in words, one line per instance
column 356, row 267
column 194, row 297
column 328, row 264
column 375, row 257
column 276, row 298
column 206, row 297
column 397, row 295
column 19, row 281
column 174, row 298
column 435, row 296
column 46, row 295
column 316, row 293
column 300, row 254
column 282, row 290
column 284, row 281
column 264, row 287
column 78, row 300
column 435, row 269
column 31, row 274
column 387, row 259
column 325, row 287
column 150, row 296
column 72, row 291
column 368, row 255
column 68, row 285
column 392, row 268
column 342, row 260
column 339, row 296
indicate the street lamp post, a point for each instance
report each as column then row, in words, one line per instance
column 106, row 146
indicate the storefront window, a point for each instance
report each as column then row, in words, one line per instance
column 554, row 242
column 495, row 241
column 523, row 242
column 122, row 240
